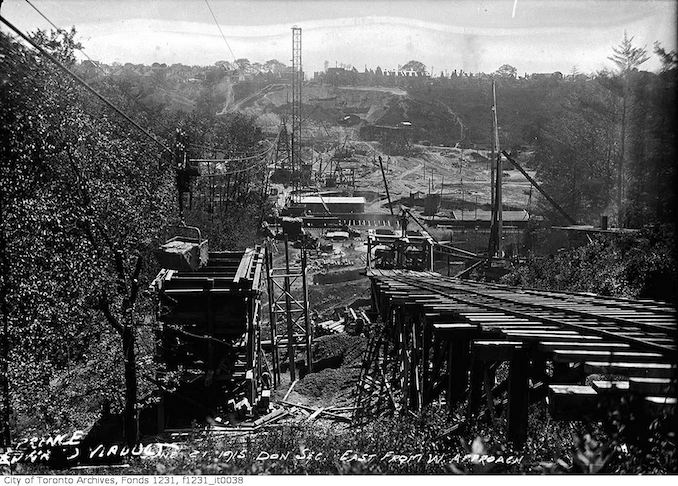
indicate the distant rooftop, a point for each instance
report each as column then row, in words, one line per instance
column 592, row 229
column 332, row 200
column 482, row 215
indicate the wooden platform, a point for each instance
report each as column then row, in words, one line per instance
column 454, row 329
column 209, row 320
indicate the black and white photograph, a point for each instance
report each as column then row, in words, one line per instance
column 323, row 237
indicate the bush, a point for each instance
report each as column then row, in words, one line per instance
column 635, row 266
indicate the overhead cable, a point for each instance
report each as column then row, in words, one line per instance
column 220, row 31
column 83, row 83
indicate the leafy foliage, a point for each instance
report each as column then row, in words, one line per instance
column 627, row 57
column 416, row 66
column 633, row 266
column 574, row 153
column 506, row 71
column 83, row 200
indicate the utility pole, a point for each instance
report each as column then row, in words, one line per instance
column 495, row 243
column 491, row 161
column 500, row 173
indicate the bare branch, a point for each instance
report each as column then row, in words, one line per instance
column 104, row 306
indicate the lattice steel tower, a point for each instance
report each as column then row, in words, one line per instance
column 297, row 80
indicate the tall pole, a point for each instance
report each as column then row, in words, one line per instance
column 495, row 244
column 500, row 172
column 297, row 79
column 492, row 159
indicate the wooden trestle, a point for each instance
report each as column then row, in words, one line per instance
column 449, row 336
column 210, row 322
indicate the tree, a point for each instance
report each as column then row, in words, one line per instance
column 575, row 152
column 627, row 58
column 274, row 66
column 78, row 228
column 242, row 63
column 669, row 59
column 416, row 66
column 506, row 71
column 225, row 64
column 650, row 148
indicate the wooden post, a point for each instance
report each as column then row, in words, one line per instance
column 384, row 363
column 404, row 367
column 369, row 252
column 211, row 359
column 210, row 322
column 488, row 380
column 288, row 312
column 273, row 318
column 415, row 367
column 538, row 367
column 476, row 386
column 251, row 341
column 437, row 359
column 518, row 390
column 458, row 361
column 450, row 378
column 424, row 362
column 307, row 320
column 560, row 372
column 160, row 416
column 431, row 258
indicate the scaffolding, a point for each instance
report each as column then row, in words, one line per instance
column 281, row 156
column 297, row 80
column 288, row 308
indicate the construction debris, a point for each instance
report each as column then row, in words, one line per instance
column 324, row 411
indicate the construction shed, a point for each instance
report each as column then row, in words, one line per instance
column 336, row 204
column 478, row 218
column 520, row 216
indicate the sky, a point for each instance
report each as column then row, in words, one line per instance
column 476, row 36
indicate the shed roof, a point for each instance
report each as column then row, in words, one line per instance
column 332, row 200
column 482, row 215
